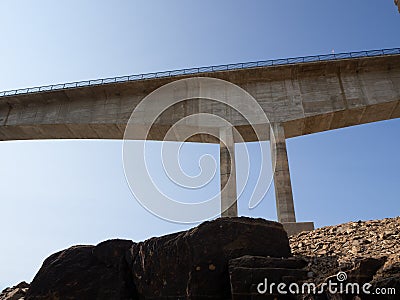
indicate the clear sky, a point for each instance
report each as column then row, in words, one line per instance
column 54, row 194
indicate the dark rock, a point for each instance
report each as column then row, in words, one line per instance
column 194, row 264
column 391, row 285
column 85, row 272
column 223, row 259
column 365, row 269
column 17, row 292
column 244, row 281
column 247, row 272
column 22, row 285
column 248, row 261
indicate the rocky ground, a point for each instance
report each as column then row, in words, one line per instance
column 332, row 248
column 17, row 292
column 221, row 259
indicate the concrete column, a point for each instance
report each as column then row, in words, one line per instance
column 228, row 171
column 282, row 183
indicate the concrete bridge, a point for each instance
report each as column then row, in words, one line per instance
column 300, row 96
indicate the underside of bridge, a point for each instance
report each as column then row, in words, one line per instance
column 298, row 99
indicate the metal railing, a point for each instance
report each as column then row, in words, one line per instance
column 191, row 71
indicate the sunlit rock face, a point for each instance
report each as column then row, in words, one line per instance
column 368, row 251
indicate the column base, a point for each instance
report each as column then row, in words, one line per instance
column 293, row 228
column 231, row 211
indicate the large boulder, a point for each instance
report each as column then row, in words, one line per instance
column 85, row 272
column 248, row 275
column 194, row 264
column 186, row 265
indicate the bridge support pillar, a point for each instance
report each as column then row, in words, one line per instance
column 282, row 183
column 228, row 173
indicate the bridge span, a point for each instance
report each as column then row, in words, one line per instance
column 299, row 95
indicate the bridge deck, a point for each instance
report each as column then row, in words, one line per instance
column 306, row 95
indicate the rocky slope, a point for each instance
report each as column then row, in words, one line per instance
column 17, row 292
column 373, row 246
column 222, row 259
column 344, row 244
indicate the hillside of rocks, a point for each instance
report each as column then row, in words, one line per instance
column 226, row 258
column 344, row 244
column 369, row 249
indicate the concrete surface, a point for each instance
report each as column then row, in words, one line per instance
column 304, row 98
column 228, row 174
column 293, row 228
column 282, row 183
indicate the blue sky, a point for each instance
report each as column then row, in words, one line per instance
column 54, row 194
